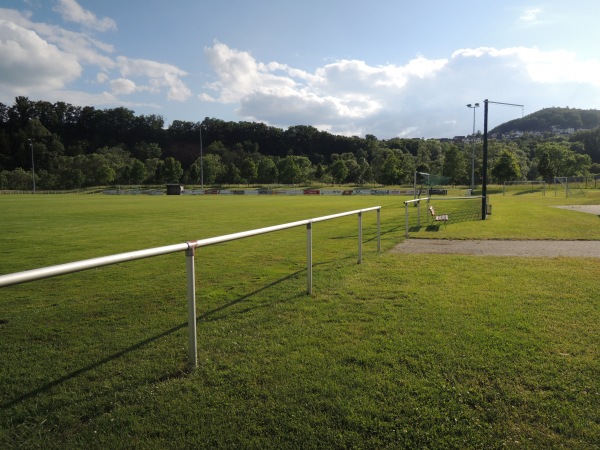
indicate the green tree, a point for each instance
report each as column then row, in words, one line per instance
column 194, row 174
column 249, row 170
column 213, row 168
column 267, row 170
column 96, row 169
column 391, row 170
column 319, row 172
column 144, row 151
column 70, row 177
column 20, row 180
column 556, row 159
column 339, row 171
column 304, row 166
column 354, row 169
column 154, row 170
column 454, row 165
column 506, row 167
column 232, row 174
column 289, row 171
column 365, row 171
column 172, row 171
column 137, row 172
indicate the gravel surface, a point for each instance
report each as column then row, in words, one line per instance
column 591, row 209
column 587, row 249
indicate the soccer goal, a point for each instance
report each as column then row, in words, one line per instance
column 569, row 186
column 427, row 184
column 430, row 213
column 524, row 188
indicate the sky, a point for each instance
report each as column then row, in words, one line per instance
column 389, row 68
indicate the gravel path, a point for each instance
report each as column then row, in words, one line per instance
column 591, row 209
column 586, row 249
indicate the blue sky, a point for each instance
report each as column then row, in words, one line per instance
column 385, row 67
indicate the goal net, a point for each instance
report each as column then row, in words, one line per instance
column 524, row 188
column 569, row 186
column 428, row 184
column 418, row 214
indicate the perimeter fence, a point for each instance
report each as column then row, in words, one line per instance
column 189, row 248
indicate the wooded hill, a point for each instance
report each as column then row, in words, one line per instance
column 548, row 119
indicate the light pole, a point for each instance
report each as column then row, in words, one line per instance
column 201, row 163
column 473, row 107
column 486, row 103
column 32, row 165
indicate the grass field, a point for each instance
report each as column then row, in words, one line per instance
column 401, row 351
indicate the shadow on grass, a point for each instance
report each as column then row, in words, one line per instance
column 383, row 232
column 145, row 342
column 528, row 192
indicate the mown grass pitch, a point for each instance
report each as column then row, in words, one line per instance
column 402, row 351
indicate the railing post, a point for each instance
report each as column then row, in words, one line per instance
column 359, row 237
column 191, row 297
column 406, row 220
column 379, row 230
column 309, row 263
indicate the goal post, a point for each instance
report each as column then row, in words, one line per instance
column 427, row 182
column 569, row 186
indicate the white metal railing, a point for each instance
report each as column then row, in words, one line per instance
column 189, row 249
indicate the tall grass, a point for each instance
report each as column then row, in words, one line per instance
column 402, row 351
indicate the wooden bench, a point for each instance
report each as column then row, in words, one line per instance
column 438, row 218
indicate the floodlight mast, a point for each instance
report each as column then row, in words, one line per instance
column 485, row 154
column 473, row 107
column 32, row 165
column 201, row 161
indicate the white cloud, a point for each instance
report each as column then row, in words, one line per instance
column 101, row 77
column 340, row 95
column 159, row 75
column 71, row 11
column 239, row 75
column 122, row 86
column 424, row 97
column 42, row 60
column 29, row 62
column 530, row 15
column 82, row 46
column 551, row 67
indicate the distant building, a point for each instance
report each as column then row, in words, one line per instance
column 557, row 130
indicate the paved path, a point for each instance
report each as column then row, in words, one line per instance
column 590, row 209
column 587, row 249
column 551, row 249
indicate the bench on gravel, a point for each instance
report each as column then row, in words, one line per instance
column 438, row 218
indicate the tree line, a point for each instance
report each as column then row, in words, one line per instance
column 71, row 147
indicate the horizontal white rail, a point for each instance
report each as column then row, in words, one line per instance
column 189, row 248
column 78, row 266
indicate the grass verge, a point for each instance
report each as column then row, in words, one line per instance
column 402, row 351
